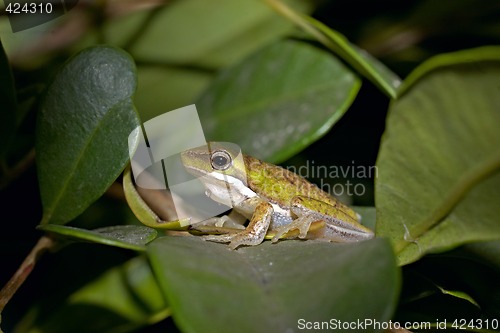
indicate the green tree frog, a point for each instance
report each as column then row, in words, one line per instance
column 276, row 201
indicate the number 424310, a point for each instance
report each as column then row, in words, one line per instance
column 28, row 8
column 462, row 324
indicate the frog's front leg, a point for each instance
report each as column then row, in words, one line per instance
column 255, row 231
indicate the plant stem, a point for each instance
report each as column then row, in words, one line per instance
column 43, row 244
column 11, row 174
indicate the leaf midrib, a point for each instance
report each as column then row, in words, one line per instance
column 463, row 186
column 49, row 211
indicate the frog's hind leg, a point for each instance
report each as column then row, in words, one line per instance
column 305, row 217
column 302, row 223
column 253, row 234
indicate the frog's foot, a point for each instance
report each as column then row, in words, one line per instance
column 253, row 234
column 302, row 224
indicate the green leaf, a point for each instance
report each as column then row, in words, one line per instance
column 270, row 287
column 368, row 215
column 130, row 237
column 438, row 184
column 458, row 294
column 277, row 101
column 122, row 299
column 82, row 131
column 189, row 36
column 174, row 72
column 381, row 76
column 486, row 53
column 9, row 104
column 162, row 89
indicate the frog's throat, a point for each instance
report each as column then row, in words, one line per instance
column 227, row 188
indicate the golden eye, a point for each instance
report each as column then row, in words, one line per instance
column 220, row 160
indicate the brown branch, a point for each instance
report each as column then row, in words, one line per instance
column 44, row 243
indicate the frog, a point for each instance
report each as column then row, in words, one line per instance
column 278, row 203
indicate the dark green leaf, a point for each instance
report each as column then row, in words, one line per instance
column 364, row 63
column 8, row 104
column 120, row 300
column 438, row 184
column 375, row 71
column 82, row 131
column 125, row 236
column 270, row 287
column 278, row 101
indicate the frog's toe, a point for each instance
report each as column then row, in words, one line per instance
column 283, row 231
column 245, row 238
column 277, row 235
column 218, row 238
column 235, row 240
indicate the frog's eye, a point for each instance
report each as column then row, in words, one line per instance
column 220, row 160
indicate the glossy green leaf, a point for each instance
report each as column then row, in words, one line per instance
column 191, row 32
column 387, row 81
column 459, row 294
column 8, row 105
column 271, row 287
column 122, row 299
column 438, row 184
column 82, row 131
column 131, row 237
column 277, row 101
column 485, row 53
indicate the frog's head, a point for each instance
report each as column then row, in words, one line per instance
column 217, row 163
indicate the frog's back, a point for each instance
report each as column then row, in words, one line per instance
column 271, row 181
